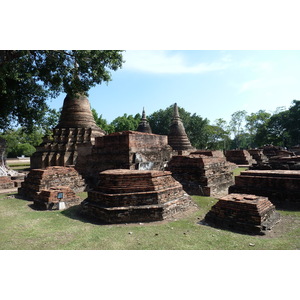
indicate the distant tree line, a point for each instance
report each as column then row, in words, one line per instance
column 243, row 131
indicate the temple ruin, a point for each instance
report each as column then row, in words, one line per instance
column 177, row 137
column 204, row 175
column 240, row 157
column 55, row 198
column 144, row 125
column 124, row 196
column 55, row 176
column 282, row 187
column 123, row 150
column 76, row 126
column 244, row 213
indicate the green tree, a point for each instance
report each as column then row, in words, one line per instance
column 102, row 123
column 126, row 122
column 29, row 77
column 218, row 135
column 236, row 126
column 254, row 122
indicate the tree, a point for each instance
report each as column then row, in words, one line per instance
column 125, row 122
column 21, row 142
column 218, row 135
column 102, row 123
column 29, row 78
column 235, row 125
column 255, row 122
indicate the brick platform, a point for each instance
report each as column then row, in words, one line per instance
column 280, row 186
column 239, row 157
column 125, row 196
column 202, row 175
column 55, row 198
column 6, row 183
column 246, row 213
column 38, row 180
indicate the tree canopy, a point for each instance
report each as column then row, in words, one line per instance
column 29, row 77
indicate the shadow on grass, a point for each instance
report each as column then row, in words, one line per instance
column 229, row 229
column 74, row 213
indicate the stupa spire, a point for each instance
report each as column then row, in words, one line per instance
column 144, row 125
column 177, row 137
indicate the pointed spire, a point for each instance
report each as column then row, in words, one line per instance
column 176, row 113
column 177, row 137
column 144, row 125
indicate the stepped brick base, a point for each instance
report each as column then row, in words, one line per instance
column 6, row 183
column 38, row 180
column 282, row 187
column 247, row 213
column 202, row 175
column 55, row 197
column 240, row 157
column 125, row 196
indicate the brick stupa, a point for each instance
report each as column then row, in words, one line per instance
column 76, row 126
column 144, row 125
column 177, row 137
column 125, row 196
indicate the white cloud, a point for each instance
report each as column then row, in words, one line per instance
column 162, row 62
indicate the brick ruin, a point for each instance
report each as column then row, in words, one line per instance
column 243, row 213
column 76, row 126
column 123, row 150
column 239, row 157
column 144, row 125
column 204, row 175
column 272, row 151
column 259, row 156
column 54, row 198
column 282, row 187
column 177, row 137
column 44, row 179
column 124, row 196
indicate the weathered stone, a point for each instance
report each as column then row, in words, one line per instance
column 177, row 137
column 202, row 175
column 124, row 196
column 271, row 150
column 6, row 183
column 144, row 125
column 280, row 186
column 76, row 126
column 56, row 198
column 246, row 213
column 123, row 150
column 43, row 179
column 239, row 157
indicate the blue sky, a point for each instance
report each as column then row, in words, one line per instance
column 213, row 84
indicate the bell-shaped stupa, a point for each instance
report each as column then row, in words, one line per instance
column 76, row 126
column 177, row 137
column 144, row 125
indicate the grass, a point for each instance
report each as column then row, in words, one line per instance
column 23, row 228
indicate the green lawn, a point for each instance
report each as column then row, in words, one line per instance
column 22, row 227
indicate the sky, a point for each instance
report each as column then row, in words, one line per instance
column 210, row 83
